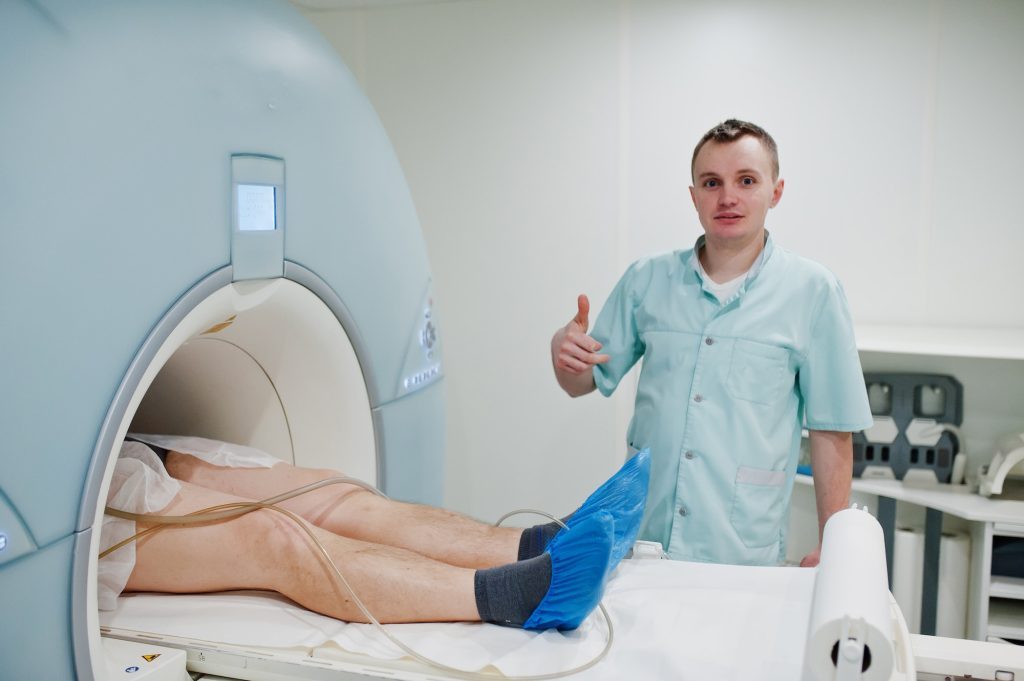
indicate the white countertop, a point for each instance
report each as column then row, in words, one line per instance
column 952, row 499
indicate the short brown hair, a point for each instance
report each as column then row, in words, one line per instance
column 732, row 130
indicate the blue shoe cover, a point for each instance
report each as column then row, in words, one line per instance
column 624, row 496
column 579, row 568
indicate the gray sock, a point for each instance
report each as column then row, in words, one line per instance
column 510, row 593
column 534, row 540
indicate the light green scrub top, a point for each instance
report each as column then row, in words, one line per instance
column 724, row 390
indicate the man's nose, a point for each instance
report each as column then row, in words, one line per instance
column 727, row 196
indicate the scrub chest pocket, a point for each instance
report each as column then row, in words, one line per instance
column 758, row 372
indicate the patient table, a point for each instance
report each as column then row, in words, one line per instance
column 672, row 620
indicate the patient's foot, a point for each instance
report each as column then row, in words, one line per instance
column 534, row 540
column 556, row 589
column 623, row 496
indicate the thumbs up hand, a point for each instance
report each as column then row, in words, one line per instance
column 573, row 352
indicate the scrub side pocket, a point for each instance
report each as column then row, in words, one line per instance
column 757, row 506
column 757, row 371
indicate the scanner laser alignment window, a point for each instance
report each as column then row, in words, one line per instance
column 257, row 208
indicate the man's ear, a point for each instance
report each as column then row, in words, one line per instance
column 780, row 184
column 693, row 197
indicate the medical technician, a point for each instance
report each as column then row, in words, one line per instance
column 744, row 343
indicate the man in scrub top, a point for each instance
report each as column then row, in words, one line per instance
column 744, row 343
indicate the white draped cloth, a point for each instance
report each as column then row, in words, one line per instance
column 672, row 620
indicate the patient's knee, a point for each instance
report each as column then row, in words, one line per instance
column 187, row 467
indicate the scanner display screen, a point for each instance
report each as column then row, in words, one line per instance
column 257, row 207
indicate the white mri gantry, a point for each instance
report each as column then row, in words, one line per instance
column 204, row 230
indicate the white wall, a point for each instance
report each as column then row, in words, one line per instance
column 547, row 145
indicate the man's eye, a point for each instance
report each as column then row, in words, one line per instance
column 748, row 181
column 710, row 184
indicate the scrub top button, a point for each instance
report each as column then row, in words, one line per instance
column 709, row 341
column 689, row 454
column 698, row 398
column 682, row 511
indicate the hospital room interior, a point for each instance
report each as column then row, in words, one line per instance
column 350, row 236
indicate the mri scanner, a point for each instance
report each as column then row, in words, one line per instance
column 206, row 232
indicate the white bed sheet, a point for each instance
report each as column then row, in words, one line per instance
column 672, row 619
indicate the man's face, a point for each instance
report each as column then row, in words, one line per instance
column 733, row 189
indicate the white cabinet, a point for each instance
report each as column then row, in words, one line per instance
column 1000, row 612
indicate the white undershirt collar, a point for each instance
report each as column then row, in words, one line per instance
column 725, row 290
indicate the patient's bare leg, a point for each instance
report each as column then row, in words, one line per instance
column 266, row 550
column 353, row 512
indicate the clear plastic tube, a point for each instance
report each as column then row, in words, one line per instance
column 228, row 511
